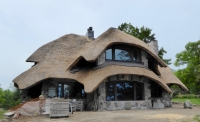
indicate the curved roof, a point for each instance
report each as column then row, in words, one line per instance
column 169, row 78
column 54, row 59
column 91, row 82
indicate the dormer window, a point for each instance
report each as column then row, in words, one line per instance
column 123, row 53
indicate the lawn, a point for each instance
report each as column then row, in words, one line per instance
column 1, row 114
column 193, row 101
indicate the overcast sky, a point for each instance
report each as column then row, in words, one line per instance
column 25, row 25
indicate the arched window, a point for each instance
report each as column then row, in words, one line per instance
column 121, row 52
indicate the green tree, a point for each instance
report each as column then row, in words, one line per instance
column 1, row 96
column 9, row 97
column 161, row 52
column 145, row 35
column 190, row 57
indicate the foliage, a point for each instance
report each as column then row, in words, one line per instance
column 161, row 52
column 145, row 35
column 193, row 101
column 1, row 96
column 9, row 97
column 192, row 96
column 190, row 75
column 1, row 114
column 197, row 117
column 142, row 33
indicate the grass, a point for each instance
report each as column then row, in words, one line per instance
column 1, row 114
column 193, row 101
column 197, row 117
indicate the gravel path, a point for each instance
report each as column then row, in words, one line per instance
column 175, row 114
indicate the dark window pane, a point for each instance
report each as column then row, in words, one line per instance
column 124, row 91
column 109, row 54
column 83, row 93
column 110, row 92
column 67, row 91
column 59, row 90
column 156, row 90
column 135, row 55
column 139, row 91
column 122, row 53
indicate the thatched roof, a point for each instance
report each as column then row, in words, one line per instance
column 55, row 59
column 169, row 78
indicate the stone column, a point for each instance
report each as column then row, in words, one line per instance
column 154, row 46
column 144, row 55
column 102, row 96
column 101, row 58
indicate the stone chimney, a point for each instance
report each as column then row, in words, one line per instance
column 154, row 45
column 90, row 33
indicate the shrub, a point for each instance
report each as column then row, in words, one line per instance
column 197, row 117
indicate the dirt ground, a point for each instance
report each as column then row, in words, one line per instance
column 175, row 114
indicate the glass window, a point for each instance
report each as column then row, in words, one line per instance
column 109, row 54
column 59, row 90
column 122, row 53
column 67, row 91
column 110, row 92
column 135, row 55
column 71, row 90
column 124, row 91
column 139, row 89
column 156, row 90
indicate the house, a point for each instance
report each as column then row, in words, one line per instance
column 115, row 69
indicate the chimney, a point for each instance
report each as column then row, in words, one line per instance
column 154, row 45
column 90, row 33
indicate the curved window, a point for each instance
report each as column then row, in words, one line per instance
column 123, row 53
column 109, row 54
column 123, row 91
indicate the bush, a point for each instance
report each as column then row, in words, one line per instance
column 197, row 117
column 11, row 98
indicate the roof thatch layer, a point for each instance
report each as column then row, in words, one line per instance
column 169, row 78
column 113, row 36
column 95, row 77
column 55, row 59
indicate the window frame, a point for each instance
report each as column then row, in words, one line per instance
column 124, row 81
column 132, row 49
column 70, row 84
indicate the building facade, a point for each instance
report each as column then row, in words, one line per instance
column 114, row 71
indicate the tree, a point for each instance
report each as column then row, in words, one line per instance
column 143, row 34
column 190, row 75
column 9, row 97
column 161, row 52
column 1, row 96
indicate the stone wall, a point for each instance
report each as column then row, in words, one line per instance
column 101, row 58
column 144, row 55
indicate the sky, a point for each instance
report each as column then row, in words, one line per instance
column 26, row 25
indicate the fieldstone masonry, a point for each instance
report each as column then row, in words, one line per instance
column 101, row 58
column 144, row 58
